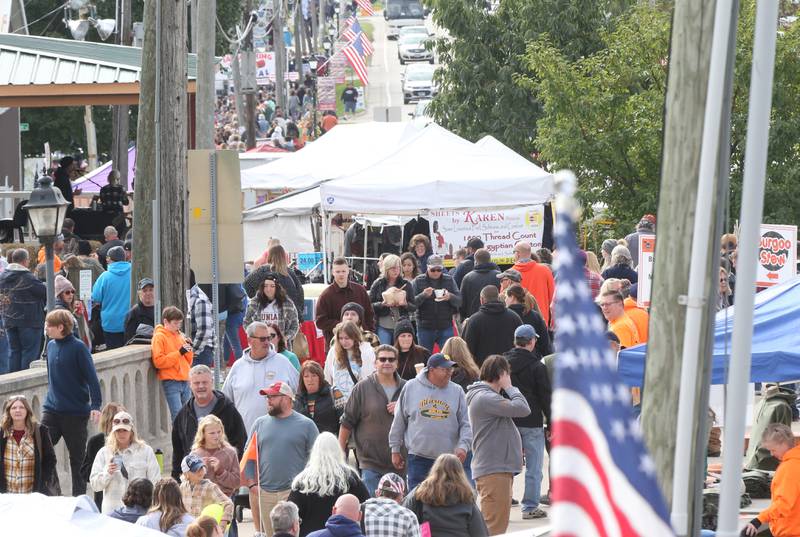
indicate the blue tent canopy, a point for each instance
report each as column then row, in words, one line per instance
column 776, row 340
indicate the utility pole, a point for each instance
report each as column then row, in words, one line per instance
column 194, row 16
column 685, row 106
column 298, row 41
column 312, row 7
column 205, row 98
column 120, row 119
column 250, row 65
column 91, row 137
column 280, row 54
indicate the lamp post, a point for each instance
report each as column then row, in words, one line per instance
column 312, row 64
column 46, row 210
column 336, row 9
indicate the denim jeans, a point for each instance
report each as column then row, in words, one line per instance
column 350, row 106
column 26, row 345
column 428, row 337
column 114, row 340
column 5, row 350
column 204, row 357
column 232, row 342
column 533, row 447
column 385, row 335
column 177, row 394
column 371, row 478
column 418, row 469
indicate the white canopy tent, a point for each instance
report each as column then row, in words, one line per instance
column 287, row 217
column 342, row 151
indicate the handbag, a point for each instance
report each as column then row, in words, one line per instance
column 50, row 483
column 300, row 347
column 339, row 400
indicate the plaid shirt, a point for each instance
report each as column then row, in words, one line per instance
column 386, row 518
column 594, row 280
column 20, row 462
column 197, row 497
column 203, row 333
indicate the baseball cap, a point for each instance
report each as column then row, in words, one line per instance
column 117, row 253
column 122, row 421
column 525, row 331
column 435, row 260
column 191, row 463
column 512, row 274
column 474, row 243
column 392, row 482
column 440, row 360
column 144, row 282
column 278, row 388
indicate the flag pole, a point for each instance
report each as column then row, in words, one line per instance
column 755, row 167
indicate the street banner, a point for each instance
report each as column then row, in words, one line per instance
column 338, row 63
column 265, row 67
column 647, row 260
column 777, row 254
column 326, row 93
column 499, row 230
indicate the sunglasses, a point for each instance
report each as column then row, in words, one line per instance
column 15, row 397
column 435, row 269
column 386, row 359
column 123, row 421
column 68, row 292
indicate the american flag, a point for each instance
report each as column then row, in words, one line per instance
column 354, row 52
column 349, row 21
column 602, row 478
column 366, row 5
column 356, row 33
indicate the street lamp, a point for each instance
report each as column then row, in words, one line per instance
column 326, row 44
column 336, row 9
column 313, row 64
column 46, row 210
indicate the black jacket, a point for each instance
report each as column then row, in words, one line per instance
column 491, row 330
column 23, row 298
column 290, row 284
column 314, row 509
column 543, row 344
column 464, row 268
column 93, row 445
column 326, row 416
column 432, row 315
column 482, row 275
column 184, row 428
column 529, row 375
column 139, row 314
column 376, row 297
column 417, row 354
column 43, row 466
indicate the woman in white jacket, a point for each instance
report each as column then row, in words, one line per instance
column 123, row 459
column 349, row 349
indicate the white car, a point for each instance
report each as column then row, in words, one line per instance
column 412, row 49
column 413, row 30
column 418, row 83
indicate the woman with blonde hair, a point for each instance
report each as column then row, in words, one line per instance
column 326, row 477
column 592, row 263
column 27, row 457
column 392, row 298
column 96, row 443
column 124, row 458
column 168, row 514
column 466, row 371
column 349, row 360
column 220, row 458
column 446, row 501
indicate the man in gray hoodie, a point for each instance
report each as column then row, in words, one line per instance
column 430, row 418
column 491, row 413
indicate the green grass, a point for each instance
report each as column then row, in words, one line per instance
column 368, row 28
column 340, row 88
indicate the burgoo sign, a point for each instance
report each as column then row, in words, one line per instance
column 777, row 254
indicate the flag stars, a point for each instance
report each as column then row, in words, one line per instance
column 565, row 292
column 623, row 394
column 568, row 360
column 560, row 228
column 647, row 465
column 594, row 393
column 634, row 429
column 618, row 430
column 607, row 393
column 566, row 325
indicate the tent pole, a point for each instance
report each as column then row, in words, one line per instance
column 325, row 234
column 755, row 167
column 366, row 238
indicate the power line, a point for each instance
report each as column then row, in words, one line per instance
column 40, row 18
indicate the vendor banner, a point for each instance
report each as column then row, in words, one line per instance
column 265, row 67
column 499, row 230
column 777, row 254
column 647, row 259
column 326, row 93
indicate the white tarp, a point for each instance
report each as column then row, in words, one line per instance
column 287, row 218
column 439, row 170
column 292, row 204
column 344, row 150
column 36, row 514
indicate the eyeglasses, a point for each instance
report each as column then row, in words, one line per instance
column 387, row 359
column 607, row 304
column 272, row 336
column 262, row 339
column 435, row 269
column 123, row 421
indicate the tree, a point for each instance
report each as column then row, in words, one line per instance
column 483, row 55
column 603, row 115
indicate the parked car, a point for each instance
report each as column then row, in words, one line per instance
column 411, row 48
column 413, row 30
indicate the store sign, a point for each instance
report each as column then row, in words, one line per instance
column 499, row 230
column 647, row 260
column 777, row 255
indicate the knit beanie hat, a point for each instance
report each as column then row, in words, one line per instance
column 352, row 306
column 62, row 284
column 403, row 326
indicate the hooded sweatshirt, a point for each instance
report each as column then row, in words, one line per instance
column 482, row 275
column 429, row 420
column 538, row 280
column 167, row 358
column 782, row 515
column 496, row 444
column 248, row 376
column 529, row 374
column 491, row 330
column 112, row 291
column 339, row 526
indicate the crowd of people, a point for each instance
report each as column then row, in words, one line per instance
column 436, row 383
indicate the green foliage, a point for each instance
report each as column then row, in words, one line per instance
column 483, row 57
column 603, row 115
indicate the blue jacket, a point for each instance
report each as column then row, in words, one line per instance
column 71, row 377
column 338, row 526
column 113, row 291
column 22, row 298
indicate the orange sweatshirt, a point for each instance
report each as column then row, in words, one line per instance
column 167, row 358
column 538, row 279
column 41, row 258
column 783, row 514
column 639, row 317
